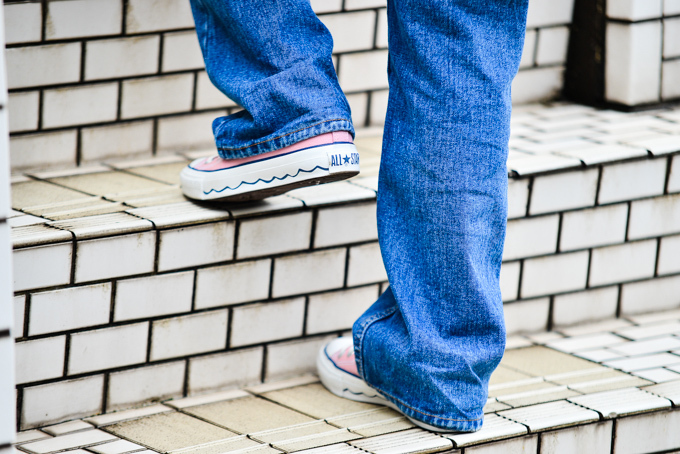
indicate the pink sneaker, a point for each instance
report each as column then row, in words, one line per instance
column 337, row 370
column 321, row 159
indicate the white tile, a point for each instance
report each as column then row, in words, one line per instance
column 152, row 296
column 326, row 6
column 659, row 375
column 597, row 327
column 27, row 151
column 42, row 266
column 199, row 245
column 526, row 316
column 670, row 391
column 181, row 51
column 593, row 227
column 671, row 38
column 121, row 57
column 363, row 71
column 111, row 418
column 593, row 438
column 144, row 384
column 378, row 108
column 351, row 31
column 43, row 65
column 598, row 355
column 633, row 62
column 232, row 284
column 264, row 322
column 119, row 140
column 336, row 311
column 586, row 342
column 39, row 359
column 149, row 15
column 669, row 251
column 194, row 401
column 117, row 447
column 80, row 105
column 186, row 132
column 365, row 265
column 554, row 274
column 509, row 280
column 61, row 401
column 7, row 385
column 407, row 441
column 650, row 330
column 587, row 306
column 604, row 153
column 623, row 262
column 19, row 310
column 518, row 196
column 547, row 12
column 670, row 74
column 563, row 191
column 635, row 10
column 223, row 370
column 117, row 250
column 651, row 318
column 644, row 362
column 23, row 110
column 291, row 272
column 294, row 358
column 190, row 334
column 644, row 347
column 671, row 7
column 208, row 96
column 361, row 4
column 654, row 217
column 274, row 235
column 148, row 97
column 537, row 84
column 494, row 428
column 621, row 402
column 531, row 236
column 70, row 441
column 552, row 46
column 529, row 49
column 550, row 415
column 346, row 224
column 81, row 18
column 657, row 438
column 622, row 182
column 528, row 444
column 108, row 348
column 652, row 295
column 23, row 22
column 69, row 308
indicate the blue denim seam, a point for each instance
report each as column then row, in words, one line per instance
column 317, row 129
column 359, row 335
column 359, row 358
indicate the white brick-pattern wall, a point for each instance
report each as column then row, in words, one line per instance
column 81, row 71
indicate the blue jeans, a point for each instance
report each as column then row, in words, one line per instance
column 431, row 341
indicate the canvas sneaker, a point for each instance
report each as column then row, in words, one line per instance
column 321, row 159
column 337, row 370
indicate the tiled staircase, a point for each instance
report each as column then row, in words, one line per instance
column 126, row 293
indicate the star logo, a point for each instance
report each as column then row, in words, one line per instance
column 345, row 160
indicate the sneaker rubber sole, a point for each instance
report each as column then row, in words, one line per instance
column 273, row 176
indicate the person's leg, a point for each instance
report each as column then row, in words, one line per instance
column 432, row 340
column 274, row 59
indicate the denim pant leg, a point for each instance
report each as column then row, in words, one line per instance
column 432, row 340
column 273, row 58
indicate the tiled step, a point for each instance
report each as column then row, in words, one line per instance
column 570, row 403
column 128, row 293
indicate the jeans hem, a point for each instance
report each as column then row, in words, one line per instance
column 280, row 140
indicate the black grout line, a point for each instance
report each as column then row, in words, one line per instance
column 119, row 107
column 67, row 355
column 614, row 427
column 79, row 146
column 19, row 403
column 83, row 56
column 41, row 96
column 658, row 255
column 560, row 221
column 588, row 267
column 5, row 333
column 630, row 207
column 312, row 234
column 530, row 191
column 195, row 90
column 74, row 255
column 148, row 342
column 112, row 310
column 123, row 26
column 304, row 316
column 369, row 102
column 519, row 283
column 618, row 300
column 161, row 46
column 185, row 386
column 271, row 279
column 194, row 289
column 237, row 233
column 344, row 281
column 154, row 137
column 599, row 184
column 551, row 305
column 669, row 165
column 105, row 390
column 27, row 312
column 230, row 321
column 43, row 24
column 265, row 352
column 375, row 29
